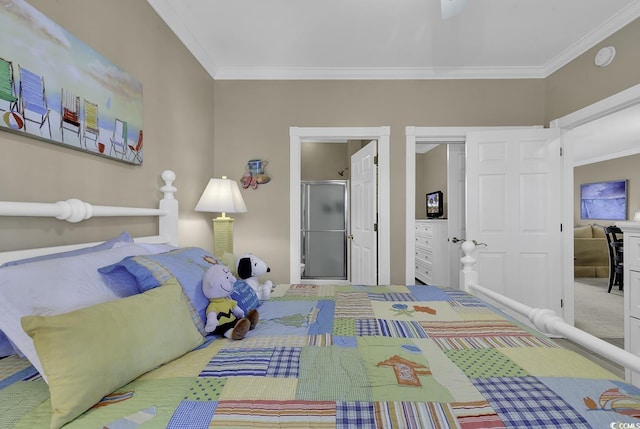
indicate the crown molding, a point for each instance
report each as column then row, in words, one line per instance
column 378, row 73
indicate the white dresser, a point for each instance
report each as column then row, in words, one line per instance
column 631, row 232
column 432, row 253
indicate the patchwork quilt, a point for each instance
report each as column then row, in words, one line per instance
column 355, row 357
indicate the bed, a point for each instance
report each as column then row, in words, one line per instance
column 334, row 356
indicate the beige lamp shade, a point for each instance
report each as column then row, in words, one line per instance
column 222, row 196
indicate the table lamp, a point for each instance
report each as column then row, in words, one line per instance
column 222, row 195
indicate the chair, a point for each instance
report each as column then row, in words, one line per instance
column 69, row 113
column 91, row 128
column 33, row 98
column 119, row 139
column 137, row 149
column 616, row 256
column 7, row 85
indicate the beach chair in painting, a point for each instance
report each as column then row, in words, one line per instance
column 69, row 113
column 119, row 139
column 7, row 86
column 33, row 99
column 137, row 149
column 91, row 129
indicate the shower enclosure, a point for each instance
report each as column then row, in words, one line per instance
column 324, row 225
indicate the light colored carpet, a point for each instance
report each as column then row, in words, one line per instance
column 596, row 311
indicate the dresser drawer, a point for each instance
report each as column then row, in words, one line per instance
column 424, row 255
column 423, row 271
column 632, row 344
column 425, row 229
column 632, row 251
column 424, row 242
column 634, row 293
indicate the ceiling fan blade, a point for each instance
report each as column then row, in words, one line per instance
column 451, row 8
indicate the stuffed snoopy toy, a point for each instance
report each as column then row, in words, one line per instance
column 224, row 317
column 249, row 267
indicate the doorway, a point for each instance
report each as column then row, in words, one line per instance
column 601, row 131
column 530, row 152
column 440, row 167
column 596, row 310
column 432, row 136
column 298, row 135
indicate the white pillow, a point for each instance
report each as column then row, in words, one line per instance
column 52, row 287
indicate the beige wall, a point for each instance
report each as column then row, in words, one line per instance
column 323, row 161
column 253, row 119
column 431, row 175
column 178, row 131
column 614, row 169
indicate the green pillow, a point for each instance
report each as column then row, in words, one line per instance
column 88, row 353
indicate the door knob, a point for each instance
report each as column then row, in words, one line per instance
column 350, row 236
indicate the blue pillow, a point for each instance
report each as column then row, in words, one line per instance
column 245, row 296
column 122, row 238
column 137, row 274
column 6, row 348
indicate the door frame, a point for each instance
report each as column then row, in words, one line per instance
column 298, row 135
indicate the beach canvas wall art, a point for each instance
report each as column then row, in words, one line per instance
column 604, row 200
column 55, row 88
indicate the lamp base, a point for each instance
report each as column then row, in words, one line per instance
column 222, row 236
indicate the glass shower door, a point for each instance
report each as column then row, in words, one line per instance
column 324, row 229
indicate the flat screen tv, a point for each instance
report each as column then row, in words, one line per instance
column 435, row 207
column 604, row 200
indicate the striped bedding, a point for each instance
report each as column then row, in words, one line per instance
column 356, row 357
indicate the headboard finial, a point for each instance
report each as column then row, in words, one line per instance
column 168, row 176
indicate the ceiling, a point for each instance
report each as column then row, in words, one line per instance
column 390, row 39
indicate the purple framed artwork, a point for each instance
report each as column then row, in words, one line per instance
column 604, row 200
column 55, row 88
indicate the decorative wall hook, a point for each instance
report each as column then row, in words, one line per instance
column 255, row 174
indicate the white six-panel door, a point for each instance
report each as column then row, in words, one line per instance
column 514, row 191
column 364, row 243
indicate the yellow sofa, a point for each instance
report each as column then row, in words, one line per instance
column 591, row 256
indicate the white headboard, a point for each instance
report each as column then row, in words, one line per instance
column 74, row 210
